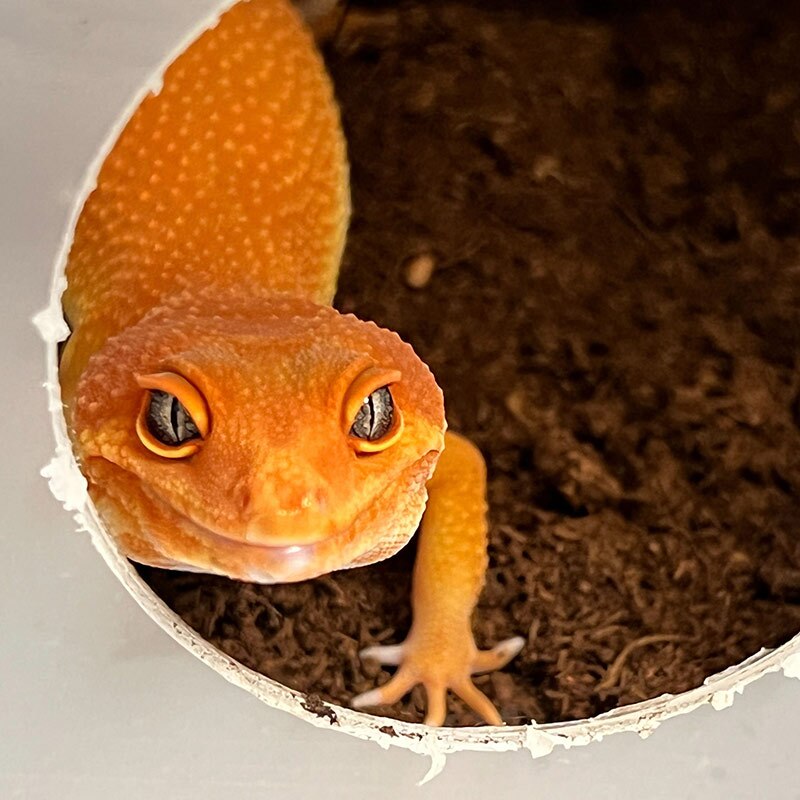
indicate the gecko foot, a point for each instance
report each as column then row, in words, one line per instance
column 438, row 669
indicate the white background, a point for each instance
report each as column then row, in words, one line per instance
column 97, row 702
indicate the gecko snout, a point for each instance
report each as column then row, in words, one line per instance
column 289, row 513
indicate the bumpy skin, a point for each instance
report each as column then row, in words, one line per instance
column 276, row 492
column 235, row 174
column 209, row 251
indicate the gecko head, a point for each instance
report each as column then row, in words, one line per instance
column 266, row 440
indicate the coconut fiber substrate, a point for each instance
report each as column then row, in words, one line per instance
column 609, row 198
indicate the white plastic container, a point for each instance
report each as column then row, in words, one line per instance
column 69, row 486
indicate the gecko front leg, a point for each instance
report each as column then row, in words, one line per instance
column 440, row 651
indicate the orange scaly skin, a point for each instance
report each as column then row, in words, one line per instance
column 204, row 263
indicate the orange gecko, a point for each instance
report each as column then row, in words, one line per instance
column 227, row 418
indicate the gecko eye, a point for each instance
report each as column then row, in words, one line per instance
column 169, row 421
column 173, row 419
column 375, row 417
column 371, row 418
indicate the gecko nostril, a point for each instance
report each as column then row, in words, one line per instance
column 244, row 497
column 320, row 500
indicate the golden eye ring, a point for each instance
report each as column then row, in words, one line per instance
column 173, row 417
column 370, row 417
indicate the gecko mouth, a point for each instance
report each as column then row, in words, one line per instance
column 268, row 563
column 216, row 552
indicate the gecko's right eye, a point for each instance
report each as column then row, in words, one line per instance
column 173, row 418
column 169, row 421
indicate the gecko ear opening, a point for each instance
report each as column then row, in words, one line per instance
column 173, row 417
column 370, row 418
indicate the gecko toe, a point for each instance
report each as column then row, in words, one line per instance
column 478, row 702
column 388, row 654
column 437, row 705
column 391, row 691
column 498, row 656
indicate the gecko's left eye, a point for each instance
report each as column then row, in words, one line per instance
column 173, row 418
column 375, row 417
column 372, row 419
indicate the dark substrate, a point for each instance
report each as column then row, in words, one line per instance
column 611, row 194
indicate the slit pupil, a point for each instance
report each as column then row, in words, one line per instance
column 173, row 418
column 374, row 417
column 169, row 421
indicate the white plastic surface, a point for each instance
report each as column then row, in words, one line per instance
column 95, row 700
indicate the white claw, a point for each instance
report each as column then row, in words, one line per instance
column 389, row 654
column 510, row 647
column 370, row 698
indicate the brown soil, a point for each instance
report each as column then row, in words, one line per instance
column 611, row 195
